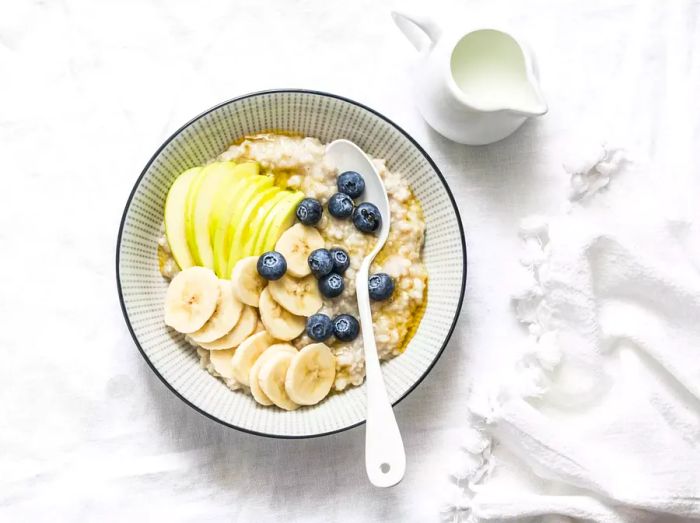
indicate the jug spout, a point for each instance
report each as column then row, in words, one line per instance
column 531, row 103
column 421, row 31
column 491, row 72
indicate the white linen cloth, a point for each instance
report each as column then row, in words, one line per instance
column 598, row 418
column 602, row 410
column 89, row 90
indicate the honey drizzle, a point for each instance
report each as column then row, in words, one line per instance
column 413, row 325
column 418, row 311
column 262, row 134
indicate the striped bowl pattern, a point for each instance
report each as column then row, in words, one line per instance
column 327, row 117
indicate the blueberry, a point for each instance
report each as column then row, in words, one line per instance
column 319, row 327
column 272, row 265
column 341, row 260
column 320, row 262
column 331, row 285
column 366, row 217
column 381, row 286
column 340, row 205
column 351, row 183
column 345, row 327
column 309, row 211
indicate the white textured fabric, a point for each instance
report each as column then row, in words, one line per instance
column 602, row 409
column 597, row 415
column 89, row 90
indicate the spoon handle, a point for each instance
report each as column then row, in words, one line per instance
column 385, row 458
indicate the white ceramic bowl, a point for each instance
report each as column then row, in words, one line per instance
column 327, row 117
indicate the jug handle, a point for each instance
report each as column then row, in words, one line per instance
column 416, row 29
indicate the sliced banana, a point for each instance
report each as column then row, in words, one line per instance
column 246, row 354
column 247, row 283
column 255, row 389
column 245, row 327
column 191, row 299
column 280, row 323
column 299, row 296
column 271, row 378
column 227, row 313
column 311, row 374
column 222, row 362
column 295, row 244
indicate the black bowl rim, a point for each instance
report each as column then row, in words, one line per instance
column 318, row 93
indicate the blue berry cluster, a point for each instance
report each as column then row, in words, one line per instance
column 320, row 327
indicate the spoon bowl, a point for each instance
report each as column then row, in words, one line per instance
column 385, row 458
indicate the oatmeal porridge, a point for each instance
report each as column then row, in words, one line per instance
column 276, row 290
column 301, row 161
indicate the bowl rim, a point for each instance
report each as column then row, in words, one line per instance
column 289, row 91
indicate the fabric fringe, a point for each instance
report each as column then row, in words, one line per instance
column 541, row 354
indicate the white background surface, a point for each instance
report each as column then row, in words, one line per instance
column 89, row 90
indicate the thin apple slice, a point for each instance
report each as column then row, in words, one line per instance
column 279, row 220
column 219, row 211
column 174, row 217
column 224, row 202
column 240, row 235
column 228, row 201
column 200, row 199
column 236, row 202
column 257, row 223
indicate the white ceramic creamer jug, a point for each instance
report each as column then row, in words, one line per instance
column 474, row 87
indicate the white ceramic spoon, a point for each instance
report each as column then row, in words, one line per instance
column 385, row 457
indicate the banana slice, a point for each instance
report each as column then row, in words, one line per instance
column 311, row 374
column 271, row 378
column 255, row 389
column 221, row 360
column 299, row 296
column 245, row 327
column 191, row 299
column 247, row 283
column 246, row 354
column 295, row 244
column 280, row 323
column 227, row 313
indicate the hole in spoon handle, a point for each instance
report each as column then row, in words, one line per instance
column 385, row 457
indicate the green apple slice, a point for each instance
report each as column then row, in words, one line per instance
column 219, row 212
column 174, row 217
column 257, row 223
column 243, row 230
column 235, row 204
column 200, row 199
column 279, row 220
column 225, row 203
